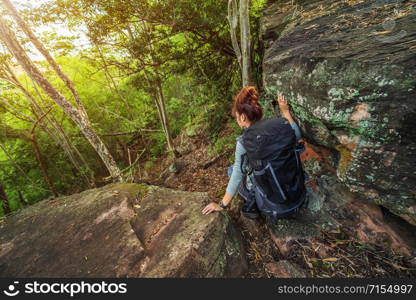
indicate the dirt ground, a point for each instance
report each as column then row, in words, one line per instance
column 196, row 170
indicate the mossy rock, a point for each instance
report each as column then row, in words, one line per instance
column 342, row 71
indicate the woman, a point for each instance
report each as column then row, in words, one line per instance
column 247, row 111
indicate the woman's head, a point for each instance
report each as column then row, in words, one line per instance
column 246, row 108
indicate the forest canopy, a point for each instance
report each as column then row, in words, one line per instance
column 131, row 75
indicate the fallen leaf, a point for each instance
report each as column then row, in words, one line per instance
column 381, row 32
column 330, row 259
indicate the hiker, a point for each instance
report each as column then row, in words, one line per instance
column 247, row 111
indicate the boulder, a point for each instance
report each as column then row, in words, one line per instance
column 348, row 70
column 121, row 230
column 333, row 207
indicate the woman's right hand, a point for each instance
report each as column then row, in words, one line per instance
column 284, row 107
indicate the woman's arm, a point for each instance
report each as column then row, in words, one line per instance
column 233, row 182
column 284, row 108
column 237, row 175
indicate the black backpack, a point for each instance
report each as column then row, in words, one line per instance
column 273, row 160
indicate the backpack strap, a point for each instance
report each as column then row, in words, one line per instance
column 243, row 159
column 277, row 181
column 262, row 171
column 297, row 158
column 298, row 148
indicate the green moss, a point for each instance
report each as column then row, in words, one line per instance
column 330, row 99
column 132, row 188
column 373, row 96
column 342, row 94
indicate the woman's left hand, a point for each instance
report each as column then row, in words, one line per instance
column 211, row 207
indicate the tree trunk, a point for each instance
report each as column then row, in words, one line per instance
column 165, row 120
column 57, row 133
column 160, row 98
column 78, row 117
column 63, row 77
column 4, row 200
column 161, row 109
column 245, row 42
column 233, row 21
column 44, row 52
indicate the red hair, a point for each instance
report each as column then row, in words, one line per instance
column 247, row 102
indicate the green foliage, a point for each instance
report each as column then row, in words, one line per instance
column 183, row 47
column 21, row 175
column 159, row 142
column 226, row 144
column 256, row 7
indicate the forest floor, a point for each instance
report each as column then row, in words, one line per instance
column 196, row 170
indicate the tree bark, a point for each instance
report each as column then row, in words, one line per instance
column 160, row 98
column 80, row 118
column 65, row 142
column 165, row 120
column 233, row 21
column 245, row 42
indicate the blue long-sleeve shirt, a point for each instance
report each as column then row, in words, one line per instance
column 237, row 175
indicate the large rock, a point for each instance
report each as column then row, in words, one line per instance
column 121, row 230
column 333, row 207
column 348, row 69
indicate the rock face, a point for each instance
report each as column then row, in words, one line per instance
column 348, row 69
column 121, row 230
column 333, row 207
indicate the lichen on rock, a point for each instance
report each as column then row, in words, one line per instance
column 351, row 87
